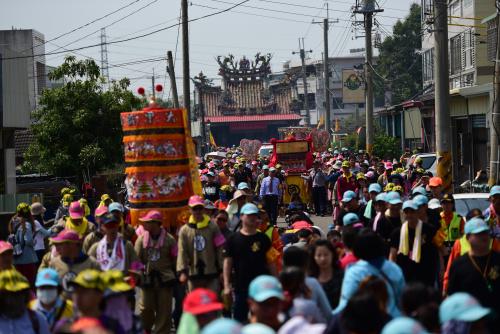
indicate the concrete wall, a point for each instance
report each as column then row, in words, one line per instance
column 15, row 93
column 29, row 42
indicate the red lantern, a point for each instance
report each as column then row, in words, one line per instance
column 158, row 88
column 141, row 91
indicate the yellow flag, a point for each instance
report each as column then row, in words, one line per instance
column 212, row 140
column 321, row 122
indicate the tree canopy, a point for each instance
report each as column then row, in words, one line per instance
column 77, row 126
column 399, row 62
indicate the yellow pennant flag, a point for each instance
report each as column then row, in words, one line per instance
column 212, row 140
column 321, row 122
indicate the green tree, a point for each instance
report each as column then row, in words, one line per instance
column 77, row 126
column 386, row 147
column 398, row 62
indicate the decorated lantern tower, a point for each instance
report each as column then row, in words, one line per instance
column 161, row 171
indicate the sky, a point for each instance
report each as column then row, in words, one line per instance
column 266, row 26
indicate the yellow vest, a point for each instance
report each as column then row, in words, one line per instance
column 465, row 245
column 452, row 231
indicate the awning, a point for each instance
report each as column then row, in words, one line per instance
column 253, row 118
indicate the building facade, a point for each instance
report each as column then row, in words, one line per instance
column 346, row 113
column 471, row 89
column 247, row 104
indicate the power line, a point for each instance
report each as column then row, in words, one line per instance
column 253, row 14
column 131, row 38
column 83, row 26
column 109, row 25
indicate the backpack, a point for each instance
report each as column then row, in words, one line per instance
column 16, row 243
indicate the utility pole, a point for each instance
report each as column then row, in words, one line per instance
column 186, row 90
column 326, row 69
column 367, row 8
column 104, row 57
column 495, row 115
column 153, row 84
column 302, row 52
column 173, row 83
column 441, row 93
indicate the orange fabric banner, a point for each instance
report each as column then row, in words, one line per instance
column 161, row 171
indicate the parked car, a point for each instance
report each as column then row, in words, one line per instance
column 466, row 202
column 429, row 161
column 265, row 150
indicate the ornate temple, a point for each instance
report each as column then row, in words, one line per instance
column 250, row 103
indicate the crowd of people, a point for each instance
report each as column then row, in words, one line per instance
column 395, row 259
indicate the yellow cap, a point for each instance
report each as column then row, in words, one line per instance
column 89, row 279
column 114, row 281
column 360, row 176
column 345, row 163
column 13, row 281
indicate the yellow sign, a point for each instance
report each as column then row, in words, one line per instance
column 353, row 87
column 292, row 147
column 296, row 184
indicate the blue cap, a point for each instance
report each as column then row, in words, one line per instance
column 47, row 277
column 382, row 197
column 420, row 200
column 264, row 287
column 211, row 174
column 475, row 225
column 222, row 326
column 461, row 306
column 404, row 325
column 265, row 167
column 375, row 187
column 249, row 209
column 419, row 190
column 393, row 198
column 349, row 195
column 495, row 190
column 243, row 186
column 410, row 205
column 115, row 206
column 350, row 219
column 257, row 328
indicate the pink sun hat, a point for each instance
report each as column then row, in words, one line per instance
column 76, row 211
column 152, row 216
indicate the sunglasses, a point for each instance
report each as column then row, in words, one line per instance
column 221, row 219
column 197, row 208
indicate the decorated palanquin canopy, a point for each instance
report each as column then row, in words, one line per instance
column 161, row 171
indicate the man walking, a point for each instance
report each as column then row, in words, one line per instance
column 269, row 193
column 318, row 182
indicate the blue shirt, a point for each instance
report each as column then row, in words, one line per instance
column 267, row 189
column 23, row 324
column 357, row 272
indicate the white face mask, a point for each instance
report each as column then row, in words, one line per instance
column 46, row 296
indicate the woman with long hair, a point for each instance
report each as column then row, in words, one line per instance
column 22, row 230
column 323, row 265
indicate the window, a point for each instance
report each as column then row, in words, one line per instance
column 456, row 54
column 491, row 39
column 467, row 3
column 456, row 8
column 469, row 50
column 428, row 65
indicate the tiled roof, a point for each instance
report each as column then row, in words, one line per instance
column 23, row 139
column 252, row 118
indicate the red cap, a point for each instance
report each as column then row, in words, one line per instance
column 435, row 181
column 5, row 246
column 201, row 301
column 301, row 225
column 151, row 216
